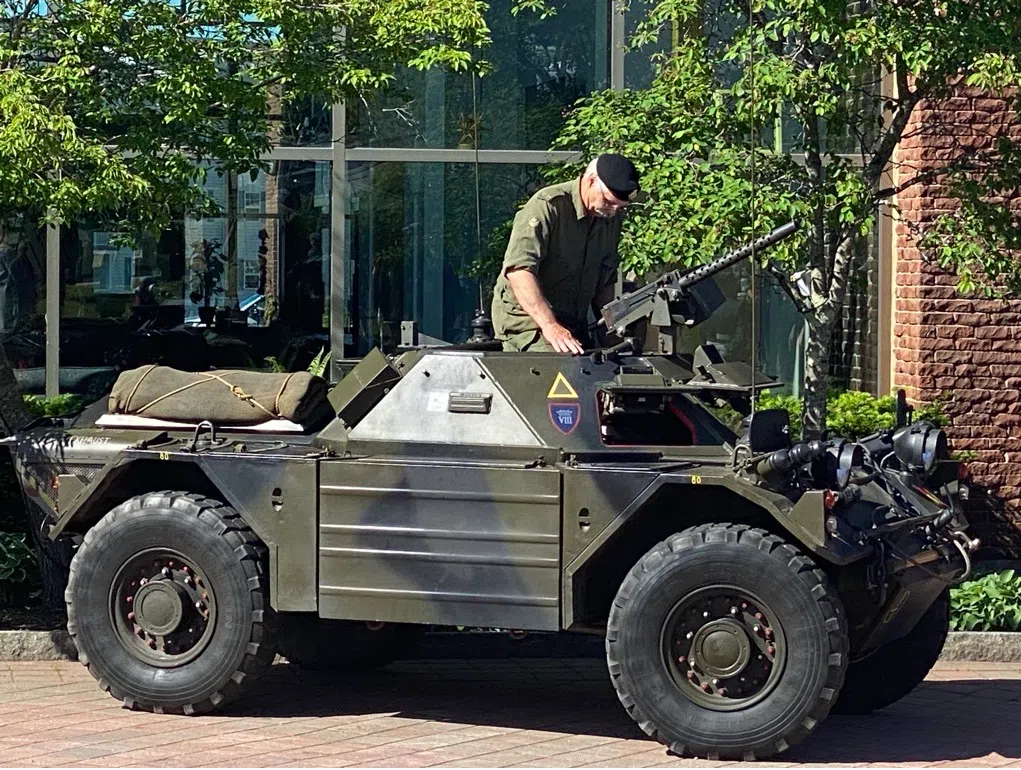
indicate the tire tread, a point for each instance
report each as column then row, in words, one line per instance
column 250, row 553
column 802, row 568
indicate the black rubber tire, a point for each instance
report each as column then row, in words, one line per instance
column 809, row 611
column 342, row 645
column 897, row 667
column 218, row 541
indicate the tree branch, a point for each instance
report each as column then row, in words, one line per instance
column 892, row 136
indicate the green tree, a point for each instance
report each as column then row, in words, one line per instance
column 119, row 108
column 704, row 135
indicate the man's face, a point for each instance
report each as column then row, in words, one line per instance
column 601, row 202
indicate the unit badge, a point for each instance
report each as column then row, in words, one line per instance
column 564, row 416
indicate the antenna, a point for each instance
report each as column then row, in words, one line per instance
column 482, row 327
column 753, row 139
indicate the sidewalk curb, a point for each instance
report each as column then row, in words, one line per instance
column 964, row 646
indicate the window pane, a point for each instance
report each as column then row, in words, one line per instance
column 413, row 243
column 306, row 122
column 23, row 302
column 226, row 291
column 539, row 69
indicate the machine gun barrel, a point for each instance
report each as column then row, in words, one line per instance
column 722, row 263
column 618, row 314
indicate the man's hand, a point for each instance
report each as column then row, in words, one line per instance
column 529, row 295
column 561, row 340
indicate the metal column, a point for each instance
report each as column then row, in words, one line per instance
column 53, row 274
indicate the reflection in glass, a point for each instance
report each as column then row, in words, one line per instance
column 540, row 68
column 414, row 245
column 23, row 302
column 228, row 290
column 304, row 122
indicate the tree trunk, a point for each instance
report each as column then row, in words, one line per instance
column 817, row 365
column 54, row 557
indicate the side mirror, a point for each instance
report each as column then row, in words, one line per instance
column 770, row 430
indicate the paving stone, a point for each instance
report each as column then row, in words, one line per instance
column 434, row 713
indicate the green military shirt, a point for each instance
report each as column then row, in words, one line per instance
column 573, row 255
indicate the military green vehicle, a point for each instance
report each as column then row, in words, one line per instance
column 746, row 584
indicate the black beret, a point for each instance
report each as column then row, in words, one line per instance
column 619, row 175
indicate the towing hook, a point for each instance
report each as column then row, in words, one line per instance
column 971, row 543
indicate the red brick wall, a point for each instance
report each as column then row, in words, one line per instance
column 945, row 342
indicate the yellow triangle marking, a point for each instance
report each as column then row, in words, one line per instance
column 561, row 388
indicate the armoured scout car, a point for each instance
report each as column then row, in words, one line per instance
column 746, row 584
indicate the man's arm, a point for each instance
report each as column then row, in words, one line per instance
column 529, row 296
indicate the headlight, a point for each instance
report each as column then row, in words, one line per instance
column 920, row 446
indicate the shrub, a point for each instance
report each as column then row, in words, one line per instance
column 56, row 406
column 854, row 414
column 988, row 603
column 19, row 569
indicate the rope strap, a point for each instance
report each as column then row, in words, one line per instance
column 236, row 390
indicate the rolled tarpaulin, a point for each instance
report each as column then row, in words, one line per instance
column 224, row 397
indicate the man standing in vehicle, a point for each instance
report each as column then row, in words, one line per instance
column 562, row 259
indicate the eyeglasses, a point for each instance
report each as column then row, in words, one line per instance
column 610, row 200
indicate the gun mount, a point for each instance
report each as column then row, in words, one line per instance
column 681, row 297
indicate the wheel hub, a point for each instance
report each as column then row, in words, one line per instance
column 723, row 648
column 163, row 608
column 159, row 607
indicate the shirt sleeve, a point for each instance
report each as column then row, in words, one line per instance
column 530, row 236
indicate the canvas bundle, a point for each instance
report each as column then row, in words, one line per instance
column 224, row 397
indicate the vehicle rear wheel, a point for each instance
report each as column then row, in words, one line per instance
column 898, row 667
column 726, row 642
column 167, row 603
column 344, row 645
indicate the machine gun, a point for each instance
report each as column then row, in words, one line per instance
column 681, row 297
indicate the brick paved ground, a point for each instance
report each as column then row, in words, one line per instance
column 474, row 713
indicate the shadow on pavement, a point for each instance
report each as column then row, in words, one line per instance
column 941, row 721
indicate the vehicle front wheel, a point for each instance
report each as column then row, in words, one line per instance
column 898, row 667
column 168, row 605
column 726, row 642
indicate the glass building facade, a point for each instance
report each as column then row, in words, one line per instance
column 371, row 214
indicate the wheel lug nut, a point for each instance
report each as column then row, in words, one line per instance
column 131, row 617
column 140, row 633
column 716, row 683
column 771, row 650
column 757, row 628
column 166, row 572
column 722, row 692
column 705, row 614
column 129, row 599
column 199, row 606
column 681, row 659
column 733, row 610
column 185, row 568
column 188, row 581
column 689, row 635
column 691, row 675
column 706, row 688
column 758, row 616
column 744, row 605
column 142, row 582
